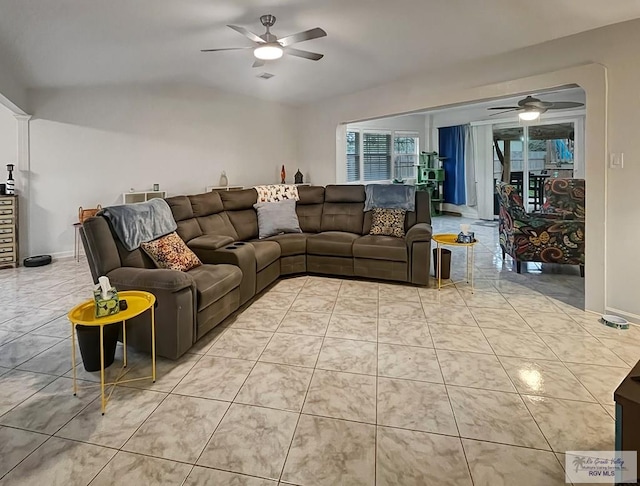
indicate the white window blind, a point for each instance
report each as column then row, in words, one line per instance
column 405, row 154
column 376, row 154
column 353, row 156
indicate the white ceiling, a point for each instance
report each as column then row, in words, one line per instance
column 61, row 43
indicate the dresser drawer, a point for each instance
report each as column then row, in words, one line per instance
column 4, row 202
column 5, row 220
column 7, row 230
column 6, row 239
column 6, row 258
column 6, row 249
column 6, row 211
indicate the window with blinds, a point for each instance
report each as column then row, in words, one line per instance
column 405, row 155
column 376, row 156
column 353, row 156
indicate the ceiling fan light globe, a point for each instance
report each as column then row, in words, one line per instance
column 268, row 52
column 529, row 115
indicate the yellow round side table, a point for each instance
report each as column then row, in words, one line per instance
column 450, row 239
column 84, row 314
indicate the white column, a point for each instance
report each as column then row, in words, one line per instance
column 22, row 177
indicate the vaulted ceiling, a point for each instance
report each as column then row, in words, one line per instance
column 63, row 43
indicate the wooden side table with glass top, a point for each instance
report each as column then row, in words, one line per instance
column 138, row 302
column 450, row 239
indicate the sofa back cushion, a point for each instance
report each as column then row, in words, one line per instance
column 343, row 209
column 238, row 206
column 182, row 211
column 309, row 208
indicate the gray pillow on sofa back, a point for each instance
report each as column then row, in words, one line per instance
column 277, row 217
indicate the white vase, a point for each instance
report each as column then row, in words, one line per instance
column 223, row 179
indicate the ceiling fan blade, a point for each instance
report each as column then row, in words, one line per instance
column 507, row 111
column 563, row 105
column 258, row 63
column 314, row 56
column 226, row 49
column 246, row 33
column 505, row 108
column 301, row 36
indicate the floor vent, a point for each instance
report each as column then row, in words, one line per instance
column 266, row 75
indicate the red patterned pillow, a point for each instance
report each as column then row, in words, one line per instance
column 171, row 252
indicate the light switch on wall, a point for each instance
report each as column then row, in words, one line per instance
column 616, row 160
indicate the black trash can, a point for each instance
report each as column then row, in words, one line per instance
column 89, row 342
column 446, row 263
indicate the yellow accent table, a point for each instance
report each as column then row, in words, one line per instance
column 84, row 314
column 449, row 239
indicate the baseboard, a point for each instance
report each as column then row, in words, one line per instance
column 634, row 318
column 64, row 255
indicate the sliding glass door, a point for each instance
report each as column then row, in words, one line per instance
column 526, row 156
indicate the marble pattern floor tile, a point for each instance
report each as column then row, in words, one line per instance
column 459, row 338
column 474, row 370
column 450, row 315
column 169, row 372
column 215, row 378
column 495, row 416
column 259, row 318
column 15, row 445
column 412, row 333
column 448, row 296
column 8, row 336
column 553, row 323
column 359, row 288
column 68, row 463
column 30, row 320
column 54, row 361
column 24, row 348
column 49, row 409
column 504, row 465
column 348, row 355
column 492, row 300
column 601, row 381
column 178, row 429
column 327, row 452
column 499, row 319
column 415, row 405
column 126, row 410
column 572, row 426
column 356, row 306
column 392, row 309
column 17, row 386
column 545, row 378
column 204, row 476
column 627, row 351
column 408, row 362
column 410, row 458
column 292, row 349
column 518, row 343
column 127, row 468
column 310, row 323
column 251, row 440
column 273, row 299
column 276, row 386
column 360, row 328
column 241, row 344
column 531, row 303
column 292, row 284
column 342, row 395
column 314, row 302
column 586, row 350
column 59, row 328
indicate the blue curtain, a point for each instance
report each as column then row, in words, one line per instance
column 451, row 142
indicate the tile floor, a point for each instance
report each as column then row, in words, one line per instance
column 324, row 381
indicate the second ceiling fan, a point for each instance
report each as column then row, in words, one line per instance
column 269, row 47
column 531, row 108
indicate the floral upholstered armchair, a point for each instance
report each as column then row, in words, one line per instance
column 564, row 198
column 548, row 238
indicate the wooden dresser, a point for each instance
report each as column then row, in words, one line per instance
column 8, row 231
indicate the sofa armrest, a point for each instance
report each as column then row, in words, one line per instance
column 150, row 279
column 418, row 232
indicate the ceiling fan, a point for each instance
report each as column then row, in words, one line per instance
column 531, row 108
column 269, row 47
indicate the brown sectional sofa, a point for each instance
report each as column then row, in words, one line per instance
column 222, row 229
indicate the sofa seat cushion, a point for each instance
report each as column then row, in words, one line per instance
column 376, row 247
column 331, row 243
column 214, row 282
column 209, row 242
column 267, row 252
column 291, row 243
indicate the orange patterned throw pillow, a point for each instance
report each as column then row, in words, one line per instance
column 171, row 252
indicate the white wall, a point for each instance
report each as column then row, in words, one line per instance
column 8, row 141
column 613, row 104
column 88, row 146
